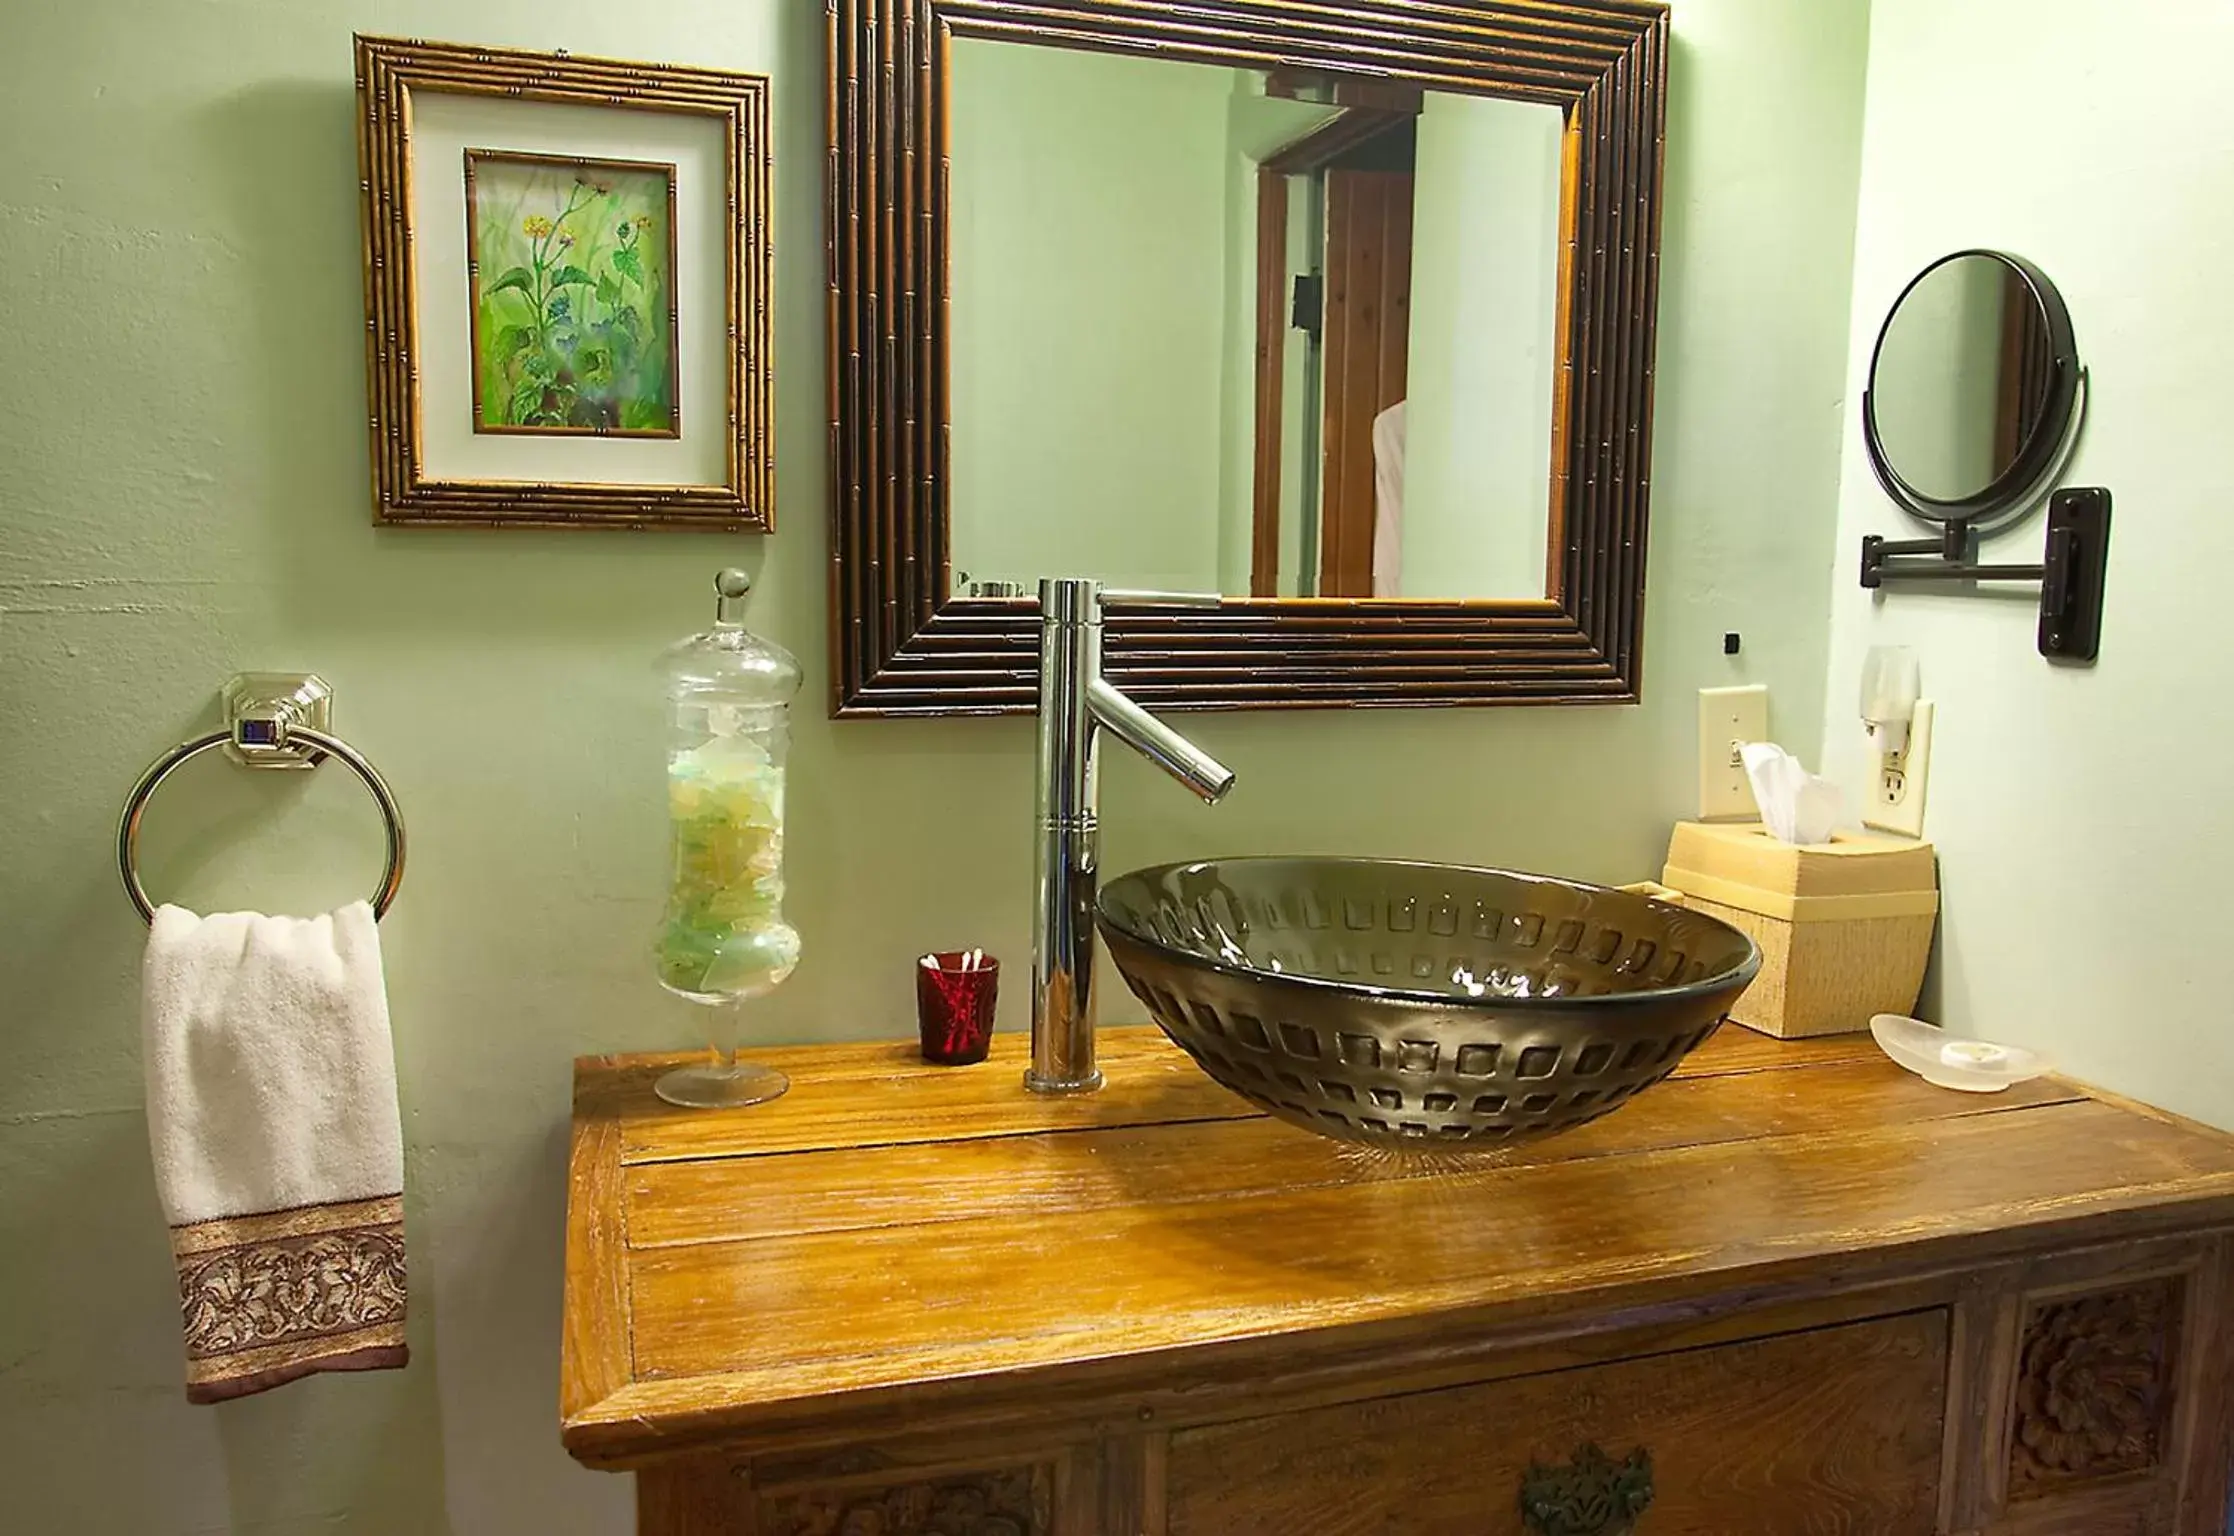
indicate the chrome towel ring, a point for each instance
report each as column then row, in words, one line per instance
column 265, row 728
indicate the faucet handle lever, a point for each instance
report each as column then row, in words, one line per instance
column 1129, row 597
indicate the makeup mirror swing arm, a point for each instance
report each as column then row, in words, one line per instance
column 2071, row 573
column 2071, row 577
column 1953, row 554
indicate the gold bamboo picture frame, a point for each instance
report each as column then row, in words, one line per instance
column 603, row 361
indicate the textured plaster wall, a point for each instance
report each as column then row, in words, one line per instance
column 183, row 494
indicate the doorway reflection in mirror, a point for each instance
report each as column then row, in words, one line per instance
column 1273, row 336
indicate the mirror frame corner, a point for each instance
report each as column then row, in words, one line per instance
column 901, row 646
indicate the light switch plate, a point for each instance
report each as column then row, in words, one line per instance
column 1728, row 716
column 1897, row 786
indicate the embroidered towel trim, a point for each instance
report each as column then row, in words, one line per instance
column 271, row 1099
column 282, row 1294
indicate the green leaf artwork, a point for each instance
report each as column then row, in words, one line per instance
column 573, row 283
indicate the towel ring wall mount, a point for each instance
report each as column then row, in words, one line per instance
column 274, row 721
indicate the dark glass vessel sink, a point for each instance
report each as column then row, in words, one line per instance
column 1421, row 1004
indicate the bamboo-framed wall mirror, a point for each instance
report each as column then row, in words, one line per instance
column 1342, row 309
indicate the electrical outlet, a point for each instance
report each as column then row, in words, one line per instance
column 1727, row 717
column 1899, row 780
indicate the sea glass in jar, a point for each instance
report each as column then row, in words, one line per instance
column 723, row 939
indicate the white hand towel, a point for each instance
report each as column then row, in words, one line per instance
column 271, row 1103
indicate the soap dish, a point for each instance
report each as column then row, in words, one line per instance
column 1951, row 1061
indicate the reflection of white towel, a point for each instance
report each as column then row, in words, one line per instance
column 271, row 1105
column 1388, row 502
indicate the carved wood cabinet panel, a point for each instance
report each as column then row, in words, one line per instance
column 1008, row 1502
column 2055, row 1396
column 2094, row 1387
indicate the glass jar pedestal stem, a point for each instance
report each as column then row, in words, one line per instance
column 725, row 1079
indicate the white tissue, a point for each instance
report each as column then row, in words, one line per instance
column 1796, row 806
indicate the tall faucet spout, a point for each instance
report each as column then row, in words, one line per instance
column 1075, row 706
column 1158, row 742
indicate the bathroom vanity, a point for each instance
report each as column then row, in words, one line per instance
column 1791, row 1289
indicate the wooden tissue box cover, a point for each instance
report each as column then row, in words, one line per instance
column 1844, row 927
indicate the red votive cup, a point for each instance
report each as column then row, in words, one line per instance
column 954, row 996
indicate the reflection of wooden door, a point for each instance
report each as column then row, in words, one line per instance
column 2027, row 356
column 1368, row 319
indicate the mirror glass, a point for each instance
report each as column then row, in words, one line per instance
column 1218, row 330
column 1962, row 377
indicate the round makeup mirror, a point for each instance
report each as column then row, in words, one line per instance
column 1972, row 388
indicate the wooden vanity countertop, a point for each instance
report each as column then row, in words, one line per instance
column 897, row 1249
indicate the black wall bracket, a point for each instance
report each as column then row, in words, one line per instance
column 2070, row 577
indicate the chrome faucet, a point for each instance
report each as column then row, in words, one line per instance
column 1075, row 703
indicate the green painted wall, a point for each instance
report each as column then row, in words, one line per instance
column 183, row 494
column 1089, row 270
column 1485, row 305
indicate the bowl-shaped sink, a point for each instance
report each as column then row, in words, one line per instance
column 1420, row 1004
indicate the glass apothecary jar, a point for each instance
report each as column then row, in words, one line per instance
column 723, row 939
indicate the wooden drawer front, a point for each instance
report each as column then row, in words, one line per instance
column 1836, row 1429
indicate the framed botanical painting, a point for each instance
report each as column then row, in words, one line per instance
column 566, row 288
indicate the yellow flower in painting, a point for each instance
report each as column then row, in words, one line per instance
column 536, row 226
